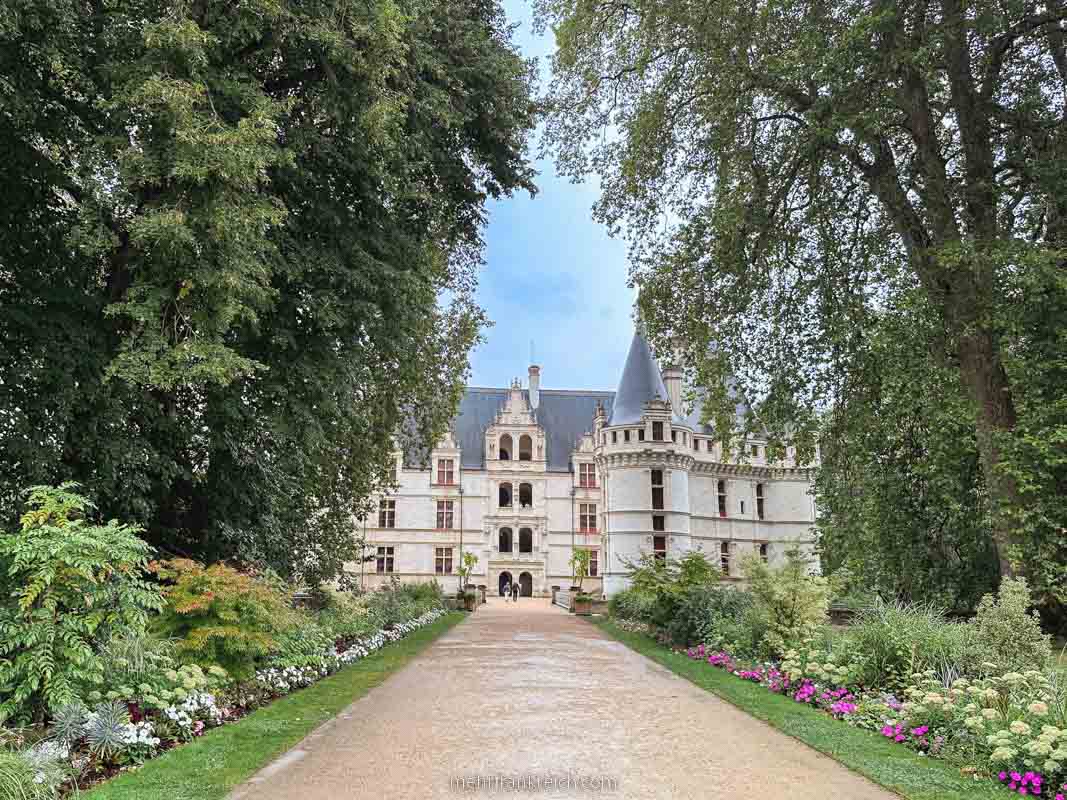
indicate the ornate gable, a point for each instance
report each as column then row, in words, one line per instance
column 515, row 440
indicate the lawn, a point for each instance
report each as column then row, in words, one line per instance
column 897, row 768
column 209, row 767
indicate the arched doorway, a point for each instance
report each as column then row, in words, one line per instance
column 505, row 580
column 526, row 584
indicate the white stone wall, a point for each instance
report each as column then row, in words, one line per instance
column 623, row 498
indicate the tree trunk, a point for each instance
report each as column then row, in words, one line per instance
column 984, row 375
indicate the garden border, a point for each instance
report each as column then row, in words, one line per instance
column 210, row 767
column 897, row 769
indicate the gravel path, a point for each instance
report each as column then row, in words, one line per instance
column 527, row 692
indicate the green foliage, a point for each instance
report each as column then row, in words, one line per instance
column 788, row 600
column 885, row 160
column 667, row 580
column 897, row 640
column 902, row 501
column 219, row 616
column 1009, row 635
column 392, row 605
column 466, row 567
column 579, row 564
column 65, row 586
column 302, row 645
column 346, row 616
column 144, row 668
column 718, row 616
column 632, row 604
column 246, row 239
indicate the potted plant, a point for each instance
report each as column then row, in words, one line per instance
column 467, row 591
column 583, row 603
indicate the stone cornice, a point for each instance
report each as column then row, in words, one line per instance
column 752, row 471
column 680, row 460
column 642, row 458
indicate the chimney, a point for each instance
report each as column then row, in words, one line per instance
column 672, row 379
column 535, row 386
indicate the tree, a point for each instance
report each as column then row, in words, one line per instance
column 901, row 497
column 239, row 252
column 783, row 169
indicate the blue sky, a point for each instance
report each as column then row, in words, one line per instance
column 552, row 275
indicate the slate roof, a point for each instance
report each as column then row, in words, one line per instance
column 641, row 381
column 564, row 415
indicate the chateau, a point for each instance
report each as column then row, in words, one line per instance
column 524, row 476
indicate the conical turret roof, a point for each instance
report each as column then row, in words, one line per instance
column 641, row 381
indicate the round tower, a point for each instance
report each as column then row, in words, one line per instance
column 644, row 458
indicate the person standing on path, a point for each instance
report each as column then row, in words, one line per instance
column 507, row 591
column 515, row 592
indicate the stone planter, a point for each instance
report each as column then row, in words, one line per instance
column 470, row 601
column 481, row 592
column 583, row 606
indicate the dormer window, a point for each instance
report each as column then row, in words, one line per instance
column 657, row 431
column 640, row 434
column 525, row 448
column 445, row 472
column 505, row 447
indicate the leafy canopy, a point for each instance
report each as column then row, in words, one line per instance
column 239, row 248
column 786, row 171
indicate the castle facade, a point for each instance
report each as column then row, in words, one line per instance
column 527, row 475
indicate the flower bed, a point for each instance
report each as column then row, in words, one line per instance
column 125, row 734
column 996, row 727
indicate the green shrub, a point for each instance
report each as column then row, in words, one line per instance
column 345, row 616
column 667, row 580
column 144, row 669
column 789, row 603
column 724, row 618
column 897, row 640
column 221, row 617
column 65, row 586
column 306, row 644
column 632, row 604
column 1007, row 634
column 428, row 594
column 392, row 605
column 700, row 612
